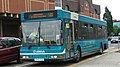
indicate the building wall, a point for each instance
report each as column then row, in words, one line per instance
column 69, row 4
column 9, row 17
column 1, row 6
column 84, row 7
column 51, row 5
column 17, row 6
column 37, row 5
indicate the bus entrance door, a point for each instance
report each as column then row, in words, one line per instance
column 69, row 40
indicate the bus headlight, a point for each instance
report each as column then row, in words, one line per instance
column 25, row 57
column 53, row 57
column 56, row 57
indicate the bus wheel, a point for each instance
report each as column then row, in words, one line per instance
column 101, row 50
column 78, row 55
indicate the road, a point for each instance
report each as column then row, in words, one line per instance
column 110, row 58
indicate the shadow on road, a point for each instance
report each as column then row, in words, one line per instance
column 59, row 64
column 9, row 64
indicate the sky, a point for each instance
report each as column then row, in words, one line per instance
column 113, row 6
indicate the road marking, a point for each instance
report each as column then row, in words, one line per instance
column 92, row 58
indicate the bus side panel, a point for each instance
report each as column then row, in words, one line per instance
column 89, row 47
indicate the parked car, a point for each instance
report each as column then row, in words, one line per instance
column 115, row 39
column 9, row 49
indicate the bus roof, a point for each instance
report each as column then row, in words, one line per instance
column 43, row 15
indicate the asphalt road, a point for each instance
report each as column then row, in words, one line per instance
column 110, row 58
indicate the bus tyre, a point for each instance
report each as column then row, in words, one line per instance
column 78, row 55
column 101, row 50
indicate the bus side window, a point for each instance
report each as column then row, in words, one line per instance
column 85, row 25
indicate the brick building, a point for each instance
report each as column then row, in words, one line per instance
column 84, row 7
column 17, row 6
column 9, row 13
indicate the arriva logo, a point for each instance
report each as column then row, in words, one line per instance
column 38, row 51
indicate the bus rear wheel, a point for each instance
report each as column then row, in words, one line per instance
column 78, row 55
column 101, row 50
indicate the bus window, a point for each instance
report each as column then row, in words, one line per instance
column 85, row 25
column 91, row 25
column 41, row 33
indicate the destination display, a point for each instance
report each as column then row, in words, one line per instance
column 40, row 15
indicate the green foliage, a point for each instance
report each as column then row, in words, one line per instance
column 108, row 18
column 116, row 29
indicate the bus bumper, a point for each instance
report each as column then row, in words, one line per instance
column 50, row 58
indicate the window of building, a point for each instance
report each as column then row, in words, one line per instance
column 86, row 5
column 58, row 3
column 95, row 13
column 51, row 0
column 67, row 8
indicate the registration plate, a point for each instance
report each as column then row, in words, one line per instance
column 39, row 59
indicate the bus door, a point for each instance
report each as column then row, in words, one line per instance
column 69, row 29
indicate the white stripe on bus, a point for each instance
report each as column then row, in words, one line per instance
column 41, row 53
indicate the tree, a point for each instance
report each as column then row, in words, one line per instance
column 116, row 30
column 108, row 18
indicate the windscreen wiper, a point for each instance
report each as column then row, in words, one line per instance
column 39, row 33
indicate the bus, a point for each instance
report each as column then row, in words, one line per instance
column 59, row 35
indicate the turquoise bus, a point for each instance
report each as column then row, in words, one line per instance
column 59, row 35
